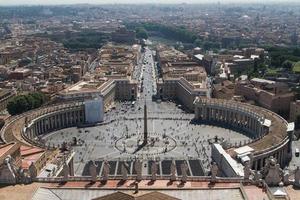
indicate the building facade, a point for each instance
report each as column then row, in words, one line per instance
column 268, row 94
column 180, row 89
column 272, row 134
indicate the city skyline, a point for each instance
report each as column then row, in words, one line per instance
column 66, row 2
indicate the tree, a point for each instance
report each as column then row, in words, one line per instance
column 23, row 103
column 175, row 33
column 255, row 65
column 18, row 105
column 287, row 64
column 296, row 52
column 207, row 45
column 141, row 33
column 86, row 39
column 198, row 42
column 38, row 99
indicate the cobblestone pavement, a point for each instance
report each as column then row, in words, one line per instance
column 172, row 135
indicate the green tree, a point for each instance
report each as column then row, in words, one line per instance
column 296, row 52
column 23, row 103
column 207, row 45
column 198, row 42
column 287, row 64
column 38, row 99
column 18, row 105
column 141, row 33
column 171, row 32
column 255, row 65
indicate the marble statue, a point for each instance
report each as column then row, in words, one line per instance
column 105, row 171
column 153, row 171
column 124, row 171
column 173, row 171
column 214, row 171
column 247, row 171
column 136, row 188
column 93, row 171
column 32, row 171
column 12, row 174
column 138, row 169
column 286, row 177
column 251, row 159
column 273, row 173
column 24, row 177
column 184, row 169
column 64, row 146
column 257, row 177
column 66, row 172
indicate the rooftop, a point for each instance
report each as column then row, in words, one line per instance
column 259, row 80
column 5, row 148
column 30, row 155
column 82, row 86
column 160, row 189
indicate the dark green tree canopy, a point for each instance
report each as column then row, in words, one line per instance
column 23, row 103
column 177, row 33
column 141, row 33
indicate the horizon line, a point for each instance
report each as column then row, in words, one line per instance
column 161, row 3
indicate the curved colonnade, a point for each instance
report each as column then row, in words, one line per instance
column 28, row 126
column 271, row 133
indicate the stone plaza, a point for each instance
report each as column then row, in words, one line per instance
column 172, row 136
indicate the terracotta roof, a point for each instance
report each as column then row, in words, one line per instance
column 5, row 148
column 116, row 196
column 30, row 155
column 27, row 160
column 148, row 196
column 155, row 196
column 27, row 151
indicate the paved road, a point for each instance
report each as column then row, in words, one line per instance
column 147, row 81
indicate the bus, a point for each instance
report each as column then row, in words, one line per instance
column 297, row 153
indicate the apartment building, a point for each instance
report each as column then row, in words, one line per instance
column 268, row 94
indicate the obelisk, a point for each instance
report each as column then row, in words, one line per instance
column 145, row 125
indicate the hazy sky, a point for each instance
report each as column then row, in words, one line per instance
column 43, row 2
